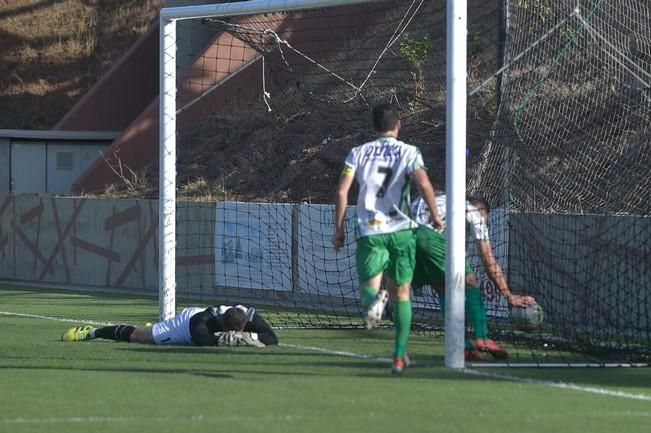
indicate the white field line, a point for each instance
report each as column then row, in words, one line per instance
column 202, row 418
column 559, row 385
column 337, row 352
column 57, row 319
column 156, row 419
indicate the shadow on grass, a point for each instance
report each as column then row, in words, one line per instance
column 271, row 359
column 136, row 370
column 424, row 366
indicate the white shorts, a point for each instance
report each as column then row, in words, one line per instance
column 175, row 330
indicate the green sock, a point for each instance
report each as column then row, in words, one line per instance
column 402, row 324
column 367, row 295
column 476, row 312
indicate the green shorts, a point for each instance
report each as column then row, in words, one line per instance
column 393, row 253
column 430, row 258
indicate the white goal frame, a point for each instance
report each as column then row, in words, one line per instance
column 455, row 148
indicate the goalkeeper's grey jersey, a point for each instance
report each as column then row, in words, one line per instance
column 382, row 168
column 177, row 330
column 474, row 220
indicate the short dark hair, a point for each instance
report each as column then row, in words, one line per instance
column 234, row 319
column 480, row 201
column 385, row 117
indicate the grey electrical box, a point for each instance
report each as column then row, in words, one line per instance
column 48, row 161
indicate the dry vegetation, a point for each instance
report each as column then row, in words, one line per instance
column 295, row 152
column 51, row 52
column 58, row 49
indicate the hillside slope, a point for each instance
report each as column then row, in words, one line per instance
column 292, row 153
column 52, row 52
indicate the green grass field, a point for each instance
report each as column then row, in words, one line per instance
column 315, row 381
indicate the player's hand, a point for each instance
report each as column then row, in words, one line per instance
column 225, row 338
column 248, row 339
column 438, row 223
column 521, row 301
column 237, row 338
column 338, row 240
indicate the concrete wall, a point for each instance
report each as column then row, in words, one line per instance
column 192, row 36
column 591, row 273
column 5, row 163
column 99, row 242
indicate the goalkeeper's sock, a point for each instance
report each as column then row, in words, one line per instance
column 476, row 312
column 366, row 296
column 116, row 332
column 402, row 323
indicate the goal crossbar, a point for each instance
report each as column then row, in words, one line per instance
column 249, row 8
column 167, row 118
column 456, row 88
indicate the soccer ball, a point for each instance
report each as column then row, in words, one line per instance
column 527, row 318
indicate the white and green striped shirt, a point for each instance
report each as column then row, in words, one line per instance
column 475, row 222
column 382, row 168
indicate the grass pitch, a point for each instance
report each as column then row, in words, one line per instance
column 315, row 381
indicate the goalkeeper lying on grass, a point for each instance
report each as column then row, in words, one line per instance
column 213, row 326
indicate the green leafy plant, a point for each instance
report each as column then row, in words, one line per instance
column 414, row 52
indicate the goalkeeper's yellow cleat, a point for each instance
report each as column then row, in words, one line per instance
column 78, row 333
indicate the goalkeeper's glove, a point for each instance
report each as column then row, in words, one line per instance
column 238, row 338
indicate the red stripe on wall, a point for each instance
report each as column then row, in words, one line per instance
column 195, row 260
column 122, row 217
column 95, row 249
column 32, row 213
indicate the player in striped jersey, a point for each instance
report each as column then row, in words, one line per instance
column 386, row 242
column 430, row 269
column 217, row 325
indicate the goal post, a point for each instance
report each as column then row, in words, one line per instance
column 167, row 119
column 455, row 281
column 538, row 107
column 456, row 146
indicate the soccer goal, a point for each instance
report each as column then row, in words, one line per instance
column 261, row 101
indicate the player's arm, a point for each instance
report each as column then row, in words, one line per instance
column 203, row 333
column 200, row 331
column 341, row 203
column 260, row 326
column 421, row 179
column 495, row 274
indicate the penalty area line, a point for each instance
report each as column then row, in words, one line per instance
column 507, row 377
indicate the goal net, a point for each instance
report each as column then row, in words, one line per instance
column 567, row 160
column 267, row 105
